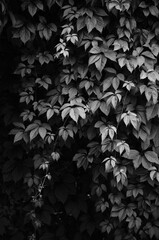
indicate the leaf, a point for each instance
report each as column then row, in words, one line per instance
column 18, row 136
column 122, row 61
column 25, row 35
column 152, row 175
column 19, row 125
column 93, row 59
column 148, row 54
column 47, row 33
column 110, row 55
column 81, row 112
column 34, row 133
column 154, row 10
column 146, row 164
column 101, row 12
column 105, row 108
column 112, row 4
column 32, row 9
column 100, row 64
column 123, row 146
column 94, row 105
column 42, row 132
column 49, row 114
column 143, row 75
column 90, row 23
column 64, row 135
column 132, row 155
column 37, row 162
column 108, row 94
column 74, row 114
column 114, row 101
column 107, row 83
column 140, row 60
column 95, row 50
column 151, row 157
column 65, row 112
column 31, row 127
column 80, row 23
column 53, row 27
column 81, row 159
column 30, row 182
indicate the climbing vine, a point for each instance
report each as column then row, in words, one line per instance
column 79, row 119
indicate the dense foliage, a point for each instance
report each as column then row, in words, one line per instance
column 79, row 119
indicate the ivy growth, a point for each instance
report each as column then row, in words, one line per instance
column 79, row 119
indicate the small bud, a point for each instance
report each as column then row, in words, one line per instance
column 37, row 223
column 48, row 176
column 55, row 156
column 40, row 188
column 44, row 165
column 32, row 237
column 39, row 202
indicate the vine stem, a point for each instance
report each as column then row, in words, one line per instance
column 42, row 184
column 122, row 110
column 47, row 169
column 55, row 143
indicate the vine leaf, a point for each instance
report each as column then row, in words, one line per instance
column 152, row 157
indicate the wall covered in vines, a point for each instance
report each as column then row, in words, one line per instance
column 79, row 146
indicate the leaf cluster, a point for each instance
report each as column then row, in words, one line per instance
column 79, row 119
